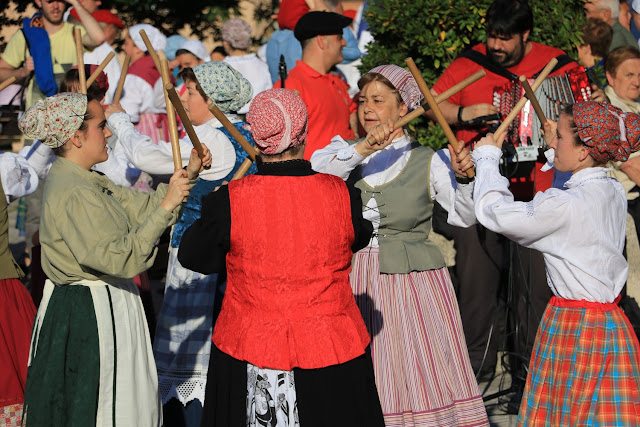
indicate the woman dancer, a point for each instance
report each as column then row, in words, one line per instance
column 17, row 179
column 91, row 361
column 400, row 279
column 183, row 334
column 585, row 366
column 290, row 347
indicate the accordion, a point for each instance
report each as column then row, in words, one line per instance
column 553, row 94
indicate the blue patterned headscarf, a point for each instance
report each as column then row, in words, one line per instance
column 223, row 85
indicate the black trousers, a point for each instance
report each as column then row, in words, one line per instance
column 489, row 267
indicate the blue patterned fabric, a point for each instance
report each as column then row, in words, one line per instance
column 193, row 206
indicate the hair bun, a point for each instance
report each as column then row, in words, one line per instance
column 34, row 122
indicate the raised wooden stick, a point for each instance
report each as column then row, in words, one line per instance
column 434, row 107
column 98, row 70
column 152, row 51
column 441, row 97
column 123, row 76
column 250, row 149
column 532, row 97
column 536, row 84
column 7, row 82
column 77, row 35
column 242, row 170
column 188, row 127
column 171, row 116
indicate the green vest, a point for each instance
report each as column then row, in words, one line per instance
column 9, row 268
column 406, row 208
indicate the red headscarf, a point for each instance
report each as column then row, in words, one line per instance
column 608, row 132
column 277, row 120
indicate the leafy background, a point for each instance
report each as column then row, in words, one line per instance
column 435, row 32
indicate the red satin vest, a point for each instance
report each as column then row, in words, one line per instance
column 288, row 301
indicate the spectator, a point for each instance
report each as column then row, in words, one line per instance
column 597, row 36
column 609, row 11
column 236, row 39
column 329, row 106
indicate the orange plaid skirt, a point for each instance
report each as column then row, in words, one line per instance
column 585, row 368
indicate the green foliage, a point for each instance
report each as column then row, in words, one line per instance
column 435, row 32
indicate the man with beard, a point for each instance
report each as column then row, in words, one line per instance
column 18, row 58
column 482, row 257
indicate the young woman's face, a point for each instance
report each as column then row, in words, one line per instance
column 94, row 137
column 194, row 104
column 377, row 104
column 567, row 153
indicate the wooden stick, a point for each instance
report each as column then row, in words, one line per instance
column 171, row 117
column 7, row 82
column 123, row 76
column 152, row 51
column 242, row 170
column 532, row 97
column 434, row 107
column 188, row 127
column 101, row 67
column 403, row 121
column 250, row 149
column 536, row 84
column 77, row 35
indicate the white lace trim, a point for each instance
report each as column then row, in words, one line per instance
column 183, row 390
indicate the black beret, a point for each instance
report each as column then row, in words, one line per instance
column 320, row 24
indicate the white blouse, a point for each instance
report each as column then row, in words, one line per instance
column 139, row 97
column 339, row 158
column 117, row 167
column 580, row 231
column 158, row 159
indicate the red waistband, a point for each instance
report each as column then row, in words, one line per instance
column 570, row 303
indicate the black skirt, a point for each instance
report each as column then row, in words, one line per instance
column 338, row 395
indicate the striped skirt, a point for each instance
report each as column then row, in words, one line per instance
column 585, row 368
column 420, row 358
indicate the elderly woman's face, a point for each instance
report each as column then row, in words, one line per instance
column 626, row 82
column 377, row 104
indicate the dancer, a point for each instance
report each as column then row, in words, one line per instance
column 17, row 179
column 290, row 347
column 400, row 279
column 182, row 342
column 585, row 366
column 90, row 361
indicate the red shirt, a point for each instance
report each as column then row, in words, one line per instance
column 288, row 301
column 328, row 105
column 482, row 92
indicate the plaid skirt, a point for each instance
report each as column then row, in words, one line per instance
column 585, row 368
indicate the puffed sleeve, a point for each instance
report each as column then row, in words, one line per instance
column 456, row 199
column 101, row 240
column 529, row 224
column 205, row 244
